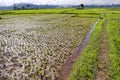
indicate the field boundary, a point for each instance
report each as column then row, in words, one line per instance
column 65, row 71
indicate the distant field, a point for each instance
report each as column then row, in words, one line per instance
column 89, row 11
column 34, row 44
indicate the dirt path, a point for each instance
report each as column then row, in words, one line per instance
column 102, row 70
column 67, row 66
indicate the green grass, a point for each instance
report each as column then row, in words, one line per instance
column 40, row 11
column 113, row 30
column 87, row 11
column 85, row 67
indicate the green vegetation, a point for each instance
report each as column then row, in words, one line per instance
column 41, row 11
column 86, row 64
column 85, row 67
column 113, row 30
column 92, row 11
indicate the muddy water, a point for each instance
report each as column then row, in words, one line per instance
column 87, row 37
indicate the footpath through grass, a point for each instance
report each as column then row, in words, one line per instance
column 102, row 72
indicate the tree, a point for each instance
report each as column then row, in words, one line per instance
column 82, row 6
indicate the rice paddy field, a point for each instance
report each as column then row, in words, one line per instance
column 36, row 44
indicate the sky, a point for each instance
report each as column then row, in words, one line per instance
column 59, row 2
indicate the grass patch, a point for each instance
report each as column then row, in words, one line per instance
column 113, row 30
column 85, row 66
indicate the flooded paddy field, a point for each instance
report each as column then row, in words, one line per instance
column 34, row 47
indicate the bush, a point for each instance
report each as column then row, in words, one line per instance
column 0, row 17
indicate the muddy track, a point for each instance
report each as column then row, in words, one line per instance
column 67, row 66
column 103, row 62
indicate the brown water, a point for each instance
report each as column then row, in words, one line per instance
column 85, row 41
